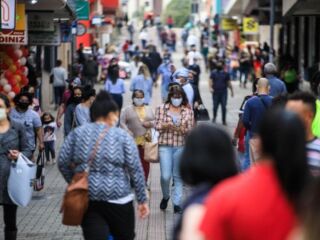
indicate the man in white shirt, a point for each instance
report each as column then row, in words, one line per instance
column 58, row 79
column 193, row 55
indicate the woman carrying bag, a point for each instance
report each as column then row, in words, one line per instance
column 137, row 119
column 12, row 141
column 113, row 165
column 174, row 120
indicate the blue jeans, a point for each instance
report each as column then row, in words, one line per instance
column 164, row 92
column 169, row 166
column 220, row 98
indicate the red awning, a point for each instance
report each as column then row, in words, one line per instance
column 110, row 4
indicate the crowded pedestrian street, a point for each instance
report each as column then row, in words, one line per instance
column 159, row 120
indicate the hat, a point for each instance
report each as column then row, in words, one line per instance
column 182, row 72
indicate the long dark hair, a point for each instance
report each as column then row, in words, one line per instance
column 114, row 74
column 5, row 99
column 102, row 106
column 283, row 140
column 208, row 156
column 177, row 89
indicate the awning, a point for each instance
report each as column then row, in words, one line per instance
column 301, row 8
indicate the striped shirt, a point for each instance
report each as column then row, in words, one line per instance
column 173, row 137
column 313, row 156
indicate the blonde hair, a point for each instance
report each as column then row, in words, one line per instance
column 143, row 69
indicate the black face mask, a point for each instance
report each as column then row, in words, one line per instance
column 23, row 105
column 77, row 99
column 47, row 122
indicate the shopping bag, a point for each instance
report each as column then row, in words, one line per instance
column 39, row 181
column 21, row 179
column 201, row 114
column 151, row 148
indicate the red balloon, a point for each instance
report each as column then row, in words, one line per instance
column 8, row 74
column 12, row 81
column 1, row 89
column 24, row 80
column 23, row 69
column 25, row 52
column 4, row 66
column 16, row 89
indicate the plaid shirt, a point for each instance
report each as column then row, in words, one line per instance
column 173, row 137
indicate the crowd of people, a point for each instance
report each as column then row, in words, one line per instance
column 266, row 189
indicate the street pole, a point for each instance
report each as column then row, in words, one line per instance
column 272, row 13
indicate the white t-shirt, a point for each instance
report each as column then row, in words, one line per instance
column 193, row 55
column 59, row 76
column 49, row 132
column 192, row 40
column 188, row 89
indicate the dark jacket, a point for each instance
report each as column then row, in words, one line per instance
column 13, row 139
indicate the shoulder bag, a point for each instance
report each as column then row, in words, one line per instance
column 39, row 181
column 76, row 198
column 151, row 147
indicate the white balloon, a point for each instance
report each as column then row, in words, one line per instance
column 7, row 88
column 23, row 61
column 18, row 53
column 11, row 95
column 26, row 71
column 3, row 81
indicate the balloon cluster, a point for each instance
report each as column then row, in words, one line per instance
column 13, row 70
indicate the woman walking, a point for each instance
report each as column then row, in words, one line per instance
column 173, row 121
column 115, row 164
column 251, row 205
column 115, row 86
column 143, row 82
column 12, row 141
column 82, row 111
column 137, row 119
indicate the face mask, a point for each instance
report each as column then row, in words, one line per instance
column 3, row 114
column 77, row 99
column 138, row 101
column 176, row 101
column 23, row 105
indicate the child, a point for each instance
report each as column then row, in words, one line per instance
column 49, row 128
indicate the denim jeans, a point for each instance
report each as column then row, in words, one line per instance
column 169, row 166
column 220, row 98
column 164, row 92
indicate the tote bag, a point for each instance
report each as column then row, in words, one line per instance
column 21, row 180
column 151, row 148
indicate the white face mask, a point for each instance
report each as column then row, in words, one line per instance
column 3, row 114
column 138, row 101
column 176, row 102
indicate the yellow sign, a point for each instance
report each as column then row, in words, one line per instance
column 229, row 24
column 250, row 25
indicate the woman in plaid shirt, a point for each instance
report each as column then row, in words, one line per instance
column 174, row 120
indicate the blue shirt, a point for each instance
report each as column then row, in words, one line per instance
column 277, row 87
column 220, row 80
column 30, row 120
column 253, row 112
column 165, row 72
column 140, row 83
column 117, row 88
column 82, row 115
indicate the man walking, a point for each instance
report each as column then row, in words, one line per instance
column 253, row 113
column 219, row 84
column 277, row 87
column 90, row 72
column 304, row 104
column 59, row 77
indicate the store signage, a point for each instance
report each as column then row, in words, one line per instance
column 46, row 38
column 250, row 25
column 40, row 22
column 82, row 9
column 19, row 35
column 8, row 14
column 229, row 24
column 81, row 29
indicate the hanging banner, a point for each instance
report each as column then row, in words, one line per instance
column 250, row 25
column 228, row 24
column 46, row 38
column 8, row 14
column 19, row 35
column 66, row 35
column 40, row 22
column 82, row 9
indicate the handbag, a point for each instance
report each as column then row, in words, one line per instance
column 39, row 181
column 21, row 179
column 151, row 148
column 76, row 198
column 201, row 113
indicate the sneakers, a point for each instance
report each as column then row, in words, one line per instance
column 164, row 204
column 177, row 209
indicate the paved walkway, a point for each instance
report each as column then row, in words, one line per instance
column 41, row 219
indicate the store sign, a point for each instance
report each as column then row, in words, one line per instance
column 40, row 22
column 66, row 35
column 19, row 35
column 46, row 38
column 82, row 9
column 8, row 14
column 250, row 25
column 229, row 24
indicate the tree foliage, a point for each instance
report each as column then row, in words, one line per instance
column 180, row 10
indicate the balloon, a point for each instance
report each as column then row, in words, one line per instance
column 7, row 88
column 11, row 95
column 25, row 52
column 23, row 69
column 18, row 53
column 17, row 78
column 26, row 72
column 24, row 80
column 23, row 61
column 13, row 68
column 8, row 61
column 15, row 47
column 13, row 81
column 4, row 66
column 3, row 82
column 1, row 89
column 16, row 89
column 8, row 74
